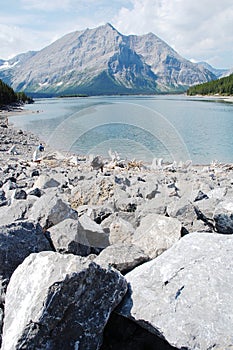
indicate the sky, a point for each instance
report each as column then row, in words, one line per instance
column 199, row 30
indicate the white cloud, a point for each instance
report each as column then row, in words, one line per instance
column 15, row 40
column 201, row 29
column 45, row 5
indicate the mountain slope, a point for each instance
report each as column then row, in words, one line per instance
column 217, row 72
column 103, row 61
column 171, row 69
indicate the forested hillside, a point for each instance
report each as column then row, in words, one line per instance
column 9, row 96
column 223, row 86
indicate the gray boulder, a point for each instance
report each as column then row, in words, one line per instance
column 98, row 213
column 185, row 294
column 91, row 191
column 17, row 241
column 35, row 192
column 128, row 217
column 71, row 236
column 17, row 211
column 124, row 257
column 20, row 194
column 121, row 231
column 66, row 238
column 128, row 205
column 62, row 302
column 97, row 163
column 50, row 209
column 92, row 233
column 188, row 217
column 3, row 200
column 223, row 217
column 156, row 234
column 45, row 181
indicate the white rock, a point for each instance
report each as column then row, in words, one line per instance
column 185, row 294
column 157, row 233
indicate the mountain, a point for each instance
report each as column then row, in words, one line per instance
column 103, row 61
column 217, row 72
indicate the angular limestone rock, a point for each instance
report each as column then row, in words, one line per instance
column 93, row 233
column 17, row 211
column 124, row 257
column 223, row 217
column 156, row 234
column 121, row 231
column 49, row 210
column 45, row 181
column 57, row 301
column 71, row 236
column 17, row 241
column 185, row 294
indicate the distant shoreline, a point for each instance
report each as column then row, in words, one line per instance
column 214, row 97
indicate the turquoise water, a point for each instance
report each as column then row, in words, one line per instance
column 137, row 127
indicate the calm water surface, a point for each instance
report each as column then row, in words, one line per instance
column 140, row 127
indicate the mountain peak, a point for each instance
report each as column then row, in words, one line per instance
column 102, row 60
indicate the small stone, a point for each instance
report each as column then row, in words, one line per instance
column 35, row 172
column 20, row 194
column 35, row 192
column 200, row 196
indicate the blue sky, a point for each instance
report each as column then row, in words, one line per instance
column 199, row 30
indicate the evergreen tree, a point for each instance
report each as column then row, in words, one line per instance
column 8, row 96
column 222, row 86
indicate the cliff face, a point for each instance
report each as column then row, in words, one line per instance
column 101, row 60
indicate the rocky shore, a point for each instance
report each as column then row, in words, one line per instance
column 106, row 254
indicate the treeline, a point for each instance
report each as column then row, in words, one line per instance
column 8, row 96
column 222, row 86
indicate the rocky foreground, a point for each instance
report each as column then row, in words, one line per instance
column 106, row 254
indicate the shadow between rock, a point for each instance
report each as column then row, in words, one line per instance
column 122, row 333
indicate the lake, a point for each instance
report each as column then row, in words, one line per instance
column 137, row 127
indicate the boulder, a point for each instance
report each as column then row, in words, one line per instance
column 17, row 211
column 223, row 217
column 91, row 191
column 156, row 205
column 128, row 205
column 57, row 301
column 97, row 163
column 200, row 196
column 185, row 294
column 188, row 217
column 156, row 234
column 70, row 236
column 50, row 209
column 35, row 172
column 17, row 241
column 35, row 192
column 20, row 194
column 93, row 233
column 124, row 257
column 120, row 231
column 126, row 216
column 45, row 181
column 217, row 193
column 98, row 213
column 3, row 200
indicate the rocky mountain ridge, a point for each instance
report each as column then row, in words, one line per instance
column 103, row 61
